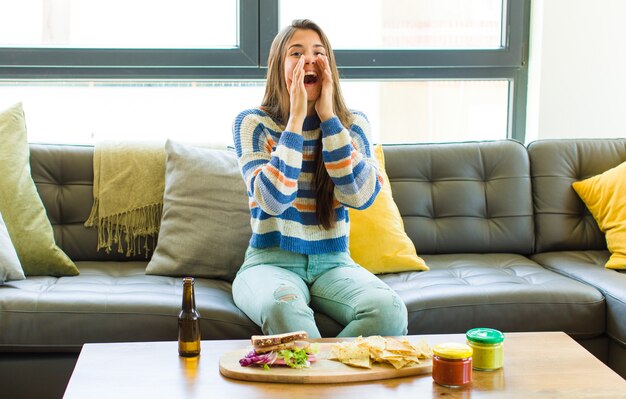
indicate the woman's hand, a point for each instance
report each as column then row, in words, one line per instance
column 297, row 98
column 324, row 104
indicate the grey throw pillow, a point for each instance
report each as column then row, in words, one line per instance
column 10, row 267
column 205, row 228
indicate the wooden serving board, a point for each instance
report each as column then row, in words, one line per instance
column 322, row 371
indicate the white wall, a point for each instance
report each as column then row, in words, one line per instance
column 577, row 69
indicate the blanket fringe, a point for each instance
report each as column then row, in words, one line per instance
column 127, row 229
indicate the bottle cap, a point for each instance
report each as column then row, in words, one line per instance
column 452, row 350
column 485, row 336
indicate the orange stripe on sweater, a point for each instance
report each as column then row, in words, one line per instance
column 339, row 164
column 304, row 207
column 311, row 207
column 280, row 177
column 269, row 145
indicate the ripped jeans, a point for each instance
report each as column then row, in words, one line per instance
column 280, row 290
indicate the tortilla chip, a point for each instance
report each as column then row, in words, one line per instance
column 423, row 350
column 376, row 343
column 395, row 346
column 362, row 351
column 398, row 364
column 358, row 362
column 351, row 353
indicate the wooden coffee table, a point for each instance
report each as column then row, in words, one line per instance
column 537, row 365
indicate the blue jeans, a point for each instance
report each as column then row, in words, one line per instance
column 280, row 290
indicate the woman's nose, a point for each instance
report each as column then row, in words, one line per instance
column 309, row 59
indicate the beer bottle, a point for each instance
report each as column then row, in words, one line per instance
column 188, row 322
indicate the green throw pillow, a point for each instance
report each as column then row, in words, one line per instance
column 21, row 207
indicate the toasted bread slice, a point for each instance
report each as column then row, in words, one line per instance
column 263, row 341
column 280, row 347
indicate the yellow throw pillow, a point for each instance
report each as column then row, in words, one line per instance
column 605, row 197
column 378, row 241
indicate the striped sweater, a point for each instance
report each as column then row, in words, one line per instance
column 278, row 168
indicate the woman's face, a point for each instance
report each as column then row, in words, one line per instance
column 307, row 43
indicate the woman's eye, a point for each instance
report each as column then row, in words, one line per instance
column 319, row 53
column 296, row 54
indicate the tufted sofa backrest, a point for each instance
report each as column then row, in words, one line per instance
column 463, row 197
column 64, row 178
column 456, row 197
column 562, row 221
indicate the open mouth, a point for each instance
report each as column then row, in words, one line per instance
column 310, row 78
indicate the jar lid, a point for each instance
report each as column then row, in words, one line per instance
column 452, row 350
column 485, row 335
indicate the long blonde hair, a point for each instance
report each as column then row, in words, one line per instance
column 276, row 103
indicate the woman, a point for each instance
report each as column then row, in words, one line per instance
column 304, row 158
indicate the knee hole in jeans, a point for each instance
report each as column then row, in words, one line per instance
column 285, row 293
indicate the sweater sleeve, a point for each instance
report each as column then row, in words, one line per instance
column 270, row 161
column 348, row 156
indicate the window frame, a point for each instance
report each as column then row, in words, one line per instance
column 138, row 63
column 257, row 25
column 509, row 62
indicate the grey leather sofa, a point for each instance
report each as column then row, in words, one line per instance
column 508, row 242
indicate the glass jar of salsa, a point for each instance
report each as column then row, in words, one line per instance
column 452, row 364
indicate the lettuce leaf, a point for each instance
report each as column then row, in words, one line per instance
column 295, row 358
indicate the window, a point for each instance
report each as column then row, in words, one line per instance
column 119, row 23
column 403, row 24
column 426, row 56
column 423, row 70
column 161, row 39
column 84, row 112
column 431, row 111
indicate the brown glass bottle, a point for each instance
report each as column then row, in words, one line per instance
column 188, row 322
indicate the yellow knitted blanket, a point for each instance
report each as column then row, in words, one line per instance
column 128, row 184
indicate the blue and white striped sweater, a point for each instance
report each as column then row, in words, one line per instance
column 278, row 169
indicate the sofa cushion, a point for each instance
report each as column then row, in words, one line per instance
column 463, row 197
column 205, row 228
column 21, row 206
column 378, row 241
column 588, row 267
column 503, row 291
column 562, row 220
column 112, row 302
column 604, row 196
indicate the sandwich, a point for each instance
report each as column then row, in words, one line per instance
column 289, row 349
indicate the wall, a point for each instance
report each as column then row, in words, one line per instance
column 577, row 79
